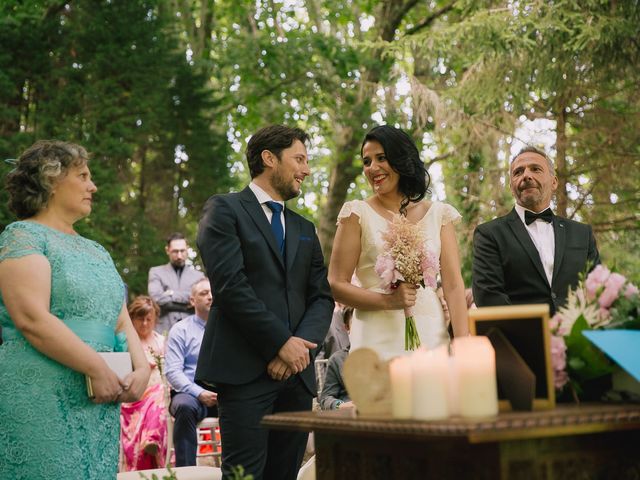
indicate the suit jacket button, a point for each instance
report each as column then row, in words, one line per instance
column 553, row 295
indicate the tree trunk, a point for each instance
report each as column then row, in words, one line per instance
column 140, row 156
column 347, row 136
column 561, row 160
column 343, row 174
column 206, row 27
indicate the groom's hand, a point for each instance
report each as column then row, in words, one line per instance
column 278, row 370
column 295, row 353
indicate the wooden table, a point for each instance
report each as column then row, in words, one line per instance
column 569, row 442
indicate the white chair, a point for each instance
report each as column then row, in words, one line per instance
column 208, row 425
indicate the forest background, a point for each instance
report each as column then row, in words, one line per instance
column 165, row 94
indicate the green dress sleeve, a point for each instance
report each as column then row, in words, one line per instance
column 19, row 239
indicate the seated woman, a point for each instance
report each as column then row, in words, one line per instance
column 144, row 423
column 334, row 395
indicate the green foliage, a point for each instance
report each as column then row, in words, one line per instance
column 110, row 75
column 586, row 362
column 165, row 95
column 625, row 314
column 572, row 63
column 238, row 473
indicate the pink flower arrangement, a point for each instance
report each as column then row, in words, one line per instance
column 406, row 259
column 606, row 286
column 604, row 300
column 595, row 280
column 559, row 361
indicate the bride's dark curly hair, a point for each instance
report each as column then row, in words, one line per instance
column 37, row 170
column 403, row 156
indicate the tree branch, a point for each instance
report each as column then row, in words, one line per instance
column 581, row 202
column 392, row 14
column 430, row 19
column 55, row 9
column 437, row 159
column 629, row 223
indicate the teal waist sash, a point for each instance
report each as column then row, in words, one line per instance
column 88, row 332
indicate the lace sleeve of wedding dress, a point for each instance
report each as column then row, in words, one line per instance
column 19, row 240
column 352, row 207
column 449, row 215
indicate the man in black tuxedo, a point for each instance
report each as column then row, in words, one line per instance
column 272, row 306
column 530, row 255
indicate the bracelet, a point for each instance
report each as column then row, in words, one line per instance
column 337, row 404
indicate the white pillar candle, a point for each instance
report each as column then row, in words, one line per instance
column 475, row 362
column 452, row 383
column 430, row 384
column 400, row 375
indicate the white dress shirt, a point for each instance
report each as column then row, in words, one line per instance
column 541, row 234
column 263, row 197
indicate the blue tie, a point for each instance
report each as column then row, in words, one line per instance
column 276, row 224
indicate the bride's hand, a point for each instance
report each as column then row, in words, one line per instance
column 402, row 297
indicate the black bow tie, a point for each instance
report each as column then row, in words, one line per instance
column 530, row 217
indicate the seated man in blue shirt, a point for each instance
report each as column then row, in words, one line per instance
column 190, row 403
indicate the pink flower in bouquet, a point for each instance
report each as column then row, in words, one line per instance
column 607, row 298
column 595, row 280
column 430, row 268
column 615, row 281
column 630, row 291
column 559, row 361
column 405, row 258
column 386, row 270
column 604, row 314
column 612, row 288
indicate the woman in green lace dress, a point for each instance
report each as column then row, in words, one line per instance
column 61, row 301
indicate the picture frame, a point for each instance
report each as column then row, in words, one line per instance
column 522, row 340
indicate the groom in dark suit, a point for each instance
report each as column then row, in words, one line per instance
column 530, row 255
column 272, row 306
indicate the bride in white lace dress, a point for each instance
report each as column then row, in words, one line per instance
column 400, row 182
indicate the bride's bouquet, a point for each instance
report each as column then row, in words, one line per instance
column 405, row 258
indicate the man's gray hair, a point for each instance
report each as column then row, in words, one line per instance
column 194, row 287
column 532, row 149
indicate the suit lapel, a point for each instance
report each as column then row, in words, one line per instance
column 520, row 231
column 559, row 233
column 291, row 238
column 255, row 211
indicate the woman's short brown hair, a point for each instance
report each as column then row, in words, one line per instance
column 141, row 306
column 37, row 170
